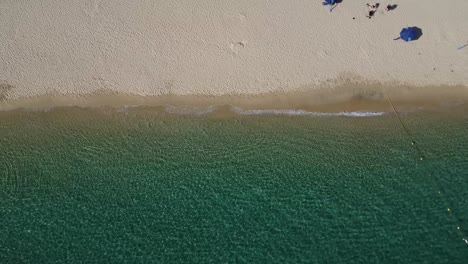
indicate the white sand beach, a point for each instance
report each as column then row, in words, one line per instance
column 224, row 47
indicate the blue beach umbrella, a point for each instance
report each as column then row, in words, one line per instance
column 410, row 33
column 329, row 2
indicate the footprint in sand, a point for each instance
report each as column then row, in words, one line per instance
column 5, row 89
column 237, row 46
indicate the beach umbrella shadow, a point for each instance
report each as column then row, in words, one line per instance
column 418, row 33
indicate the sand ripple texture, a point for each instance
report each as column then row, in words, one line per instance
column 158, row 47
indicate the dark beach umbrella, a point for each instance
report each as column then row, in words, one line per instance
column 410, row 33
column 329, row 2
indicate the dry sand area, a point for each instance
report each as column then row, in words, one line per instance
column 225, row 47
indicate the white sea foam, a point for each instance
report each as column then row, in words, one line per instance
column 293, row 112
column 189, row 110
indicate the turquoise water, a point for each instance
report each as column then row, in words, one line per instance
column 143, row 186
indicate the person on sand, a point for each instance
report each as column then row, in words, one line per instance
column 390, row 7
column 371, row 14
column 376, row 6
column 373, row 10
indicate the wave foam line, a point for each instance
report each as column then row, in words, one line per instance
column 292, row 112
column 188, row 110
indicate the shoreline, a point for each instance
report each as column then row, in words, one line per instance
column 350, row 97
column 236, row 48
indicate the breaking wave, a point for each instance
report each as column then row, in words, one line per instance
column 190, row 110
column 292, row 112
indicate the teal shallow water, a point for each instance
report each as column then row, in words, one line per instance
column 141, row 186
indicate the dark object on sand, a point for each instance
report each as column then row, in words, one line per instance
column 391, row 7
column 373, row 10
column 331, row 3
column 461, row 47
column 410, row 34
column 371, row 14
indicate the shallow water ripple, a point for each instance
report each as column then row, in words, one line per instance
column 100, row 186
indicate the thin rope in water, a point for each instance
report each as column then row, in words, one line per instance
column 421, row 156
column 434, row 180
